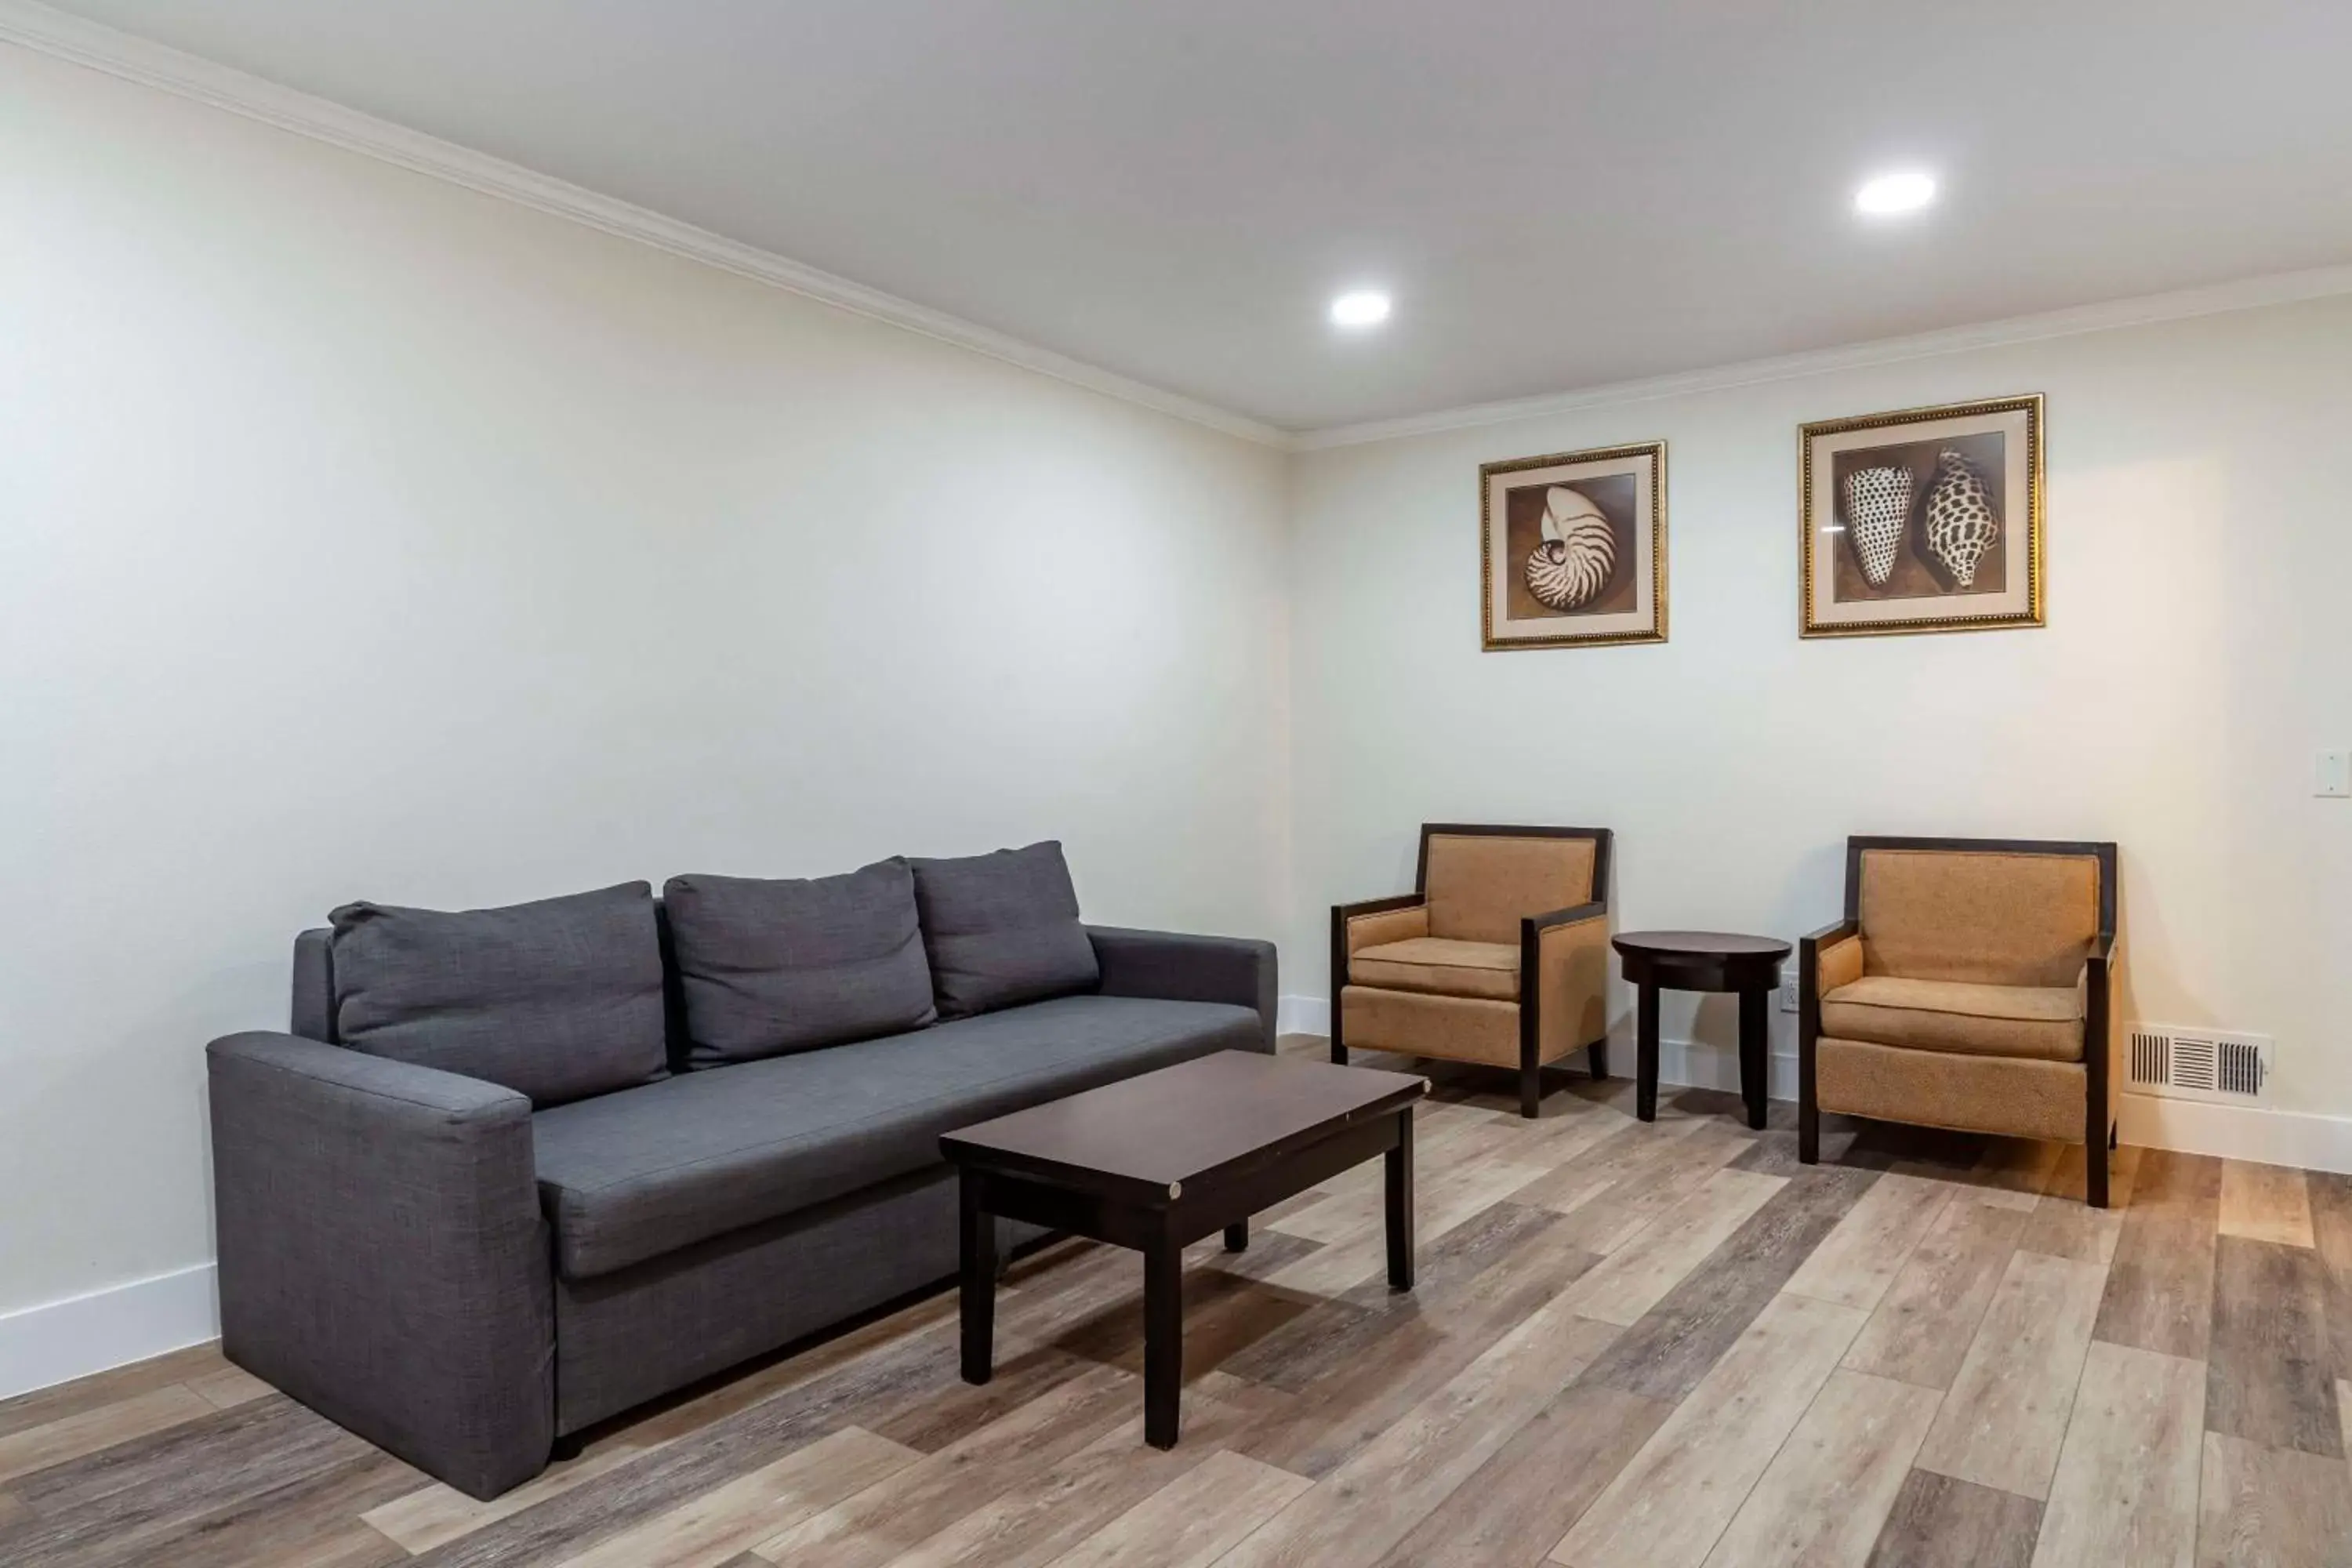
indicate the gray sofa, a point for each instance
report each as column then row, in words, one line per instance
column 466, row 1208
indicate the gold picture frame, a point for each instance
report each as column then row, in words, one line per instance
column 1908, row 522
column 1572, row 549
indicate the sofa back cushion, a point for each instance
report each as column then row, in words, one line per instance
column 1002, row 928
column 788, row 965
column 1481, row 885
column 558, row 1000
column 1981, row 918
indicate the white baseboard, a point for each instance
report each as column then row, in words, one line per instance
column 60, row 1340
column 1303, row 1016
column 2237, row 1131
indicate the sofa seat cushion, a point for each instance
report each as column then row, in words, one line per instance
column 1436, row 966
column 631, row 1176
column 1967, row 1020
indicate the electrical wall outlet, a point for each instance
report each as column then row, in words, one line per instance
column 2331, row 775
column 1788, row 994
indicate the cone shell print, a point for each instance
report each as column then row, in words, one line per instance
column 1877, row 511
column 1578, row 553
column 1960, row 523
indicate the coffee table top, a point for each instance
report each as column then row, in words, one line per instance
column 1702, row 944
column 1186, row 1122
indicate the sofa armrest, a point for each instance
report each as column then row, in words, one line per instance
column 382, row 1254
column 1178, row 968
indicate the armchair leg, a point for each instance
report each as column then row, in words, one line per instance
column 2094, row 1171
column 1338, row 1054
column 1530, row 1091
column 1596, row 1055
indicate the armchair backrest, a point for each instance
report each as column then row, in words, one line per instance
column 1481, row 880
column 1981, row 911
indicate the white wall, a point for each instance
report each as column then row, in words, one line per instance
column 2198, row 650
column 364, row 536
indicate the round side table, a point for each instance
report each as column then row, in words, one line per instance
column 1704, row 960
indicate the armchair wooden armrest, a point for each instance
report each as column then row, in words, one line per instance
column 1811, row 949
column 1364, row 924
column 1563, row 993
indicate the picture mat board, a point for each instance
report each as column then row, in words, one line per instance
column 1627, row 485
column 2016, row 602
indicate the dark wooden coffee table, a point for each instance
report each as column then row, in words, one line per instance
column 1158, row 1162
column 1703, row 961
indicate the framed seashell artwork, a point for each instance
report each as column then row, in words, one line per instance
column 1572, row 548
column 1925, row 520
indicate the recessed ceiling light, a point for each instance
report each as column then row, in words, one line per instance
column 1905, row 192
column 1360, row 308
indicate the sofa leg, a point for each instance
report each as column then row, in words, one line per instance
column 1596, row 1057
column 566, row 1447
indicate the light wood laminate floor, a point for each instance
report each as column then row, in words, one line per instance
column 1666, row 1345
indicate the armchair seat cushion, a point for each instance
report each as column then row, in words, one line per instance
column 1963, row 1019
column 1436, row 966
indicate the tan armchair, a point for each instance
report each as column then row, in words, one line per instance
column 1967, row 987
column 1500, row 956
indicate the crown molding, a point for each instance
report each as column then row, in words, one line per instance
column 150, row 64
column 2245, row 294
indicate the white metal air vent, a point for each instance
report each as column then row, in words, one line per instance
column 2199, row 1063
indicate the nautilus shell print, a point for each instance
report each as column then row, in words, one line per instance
column 1960, row 523
column 1577, row 555
column 1877, row 512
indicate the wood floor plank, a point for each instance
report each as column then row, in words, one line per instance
column 1672, row 1499
column 2160, row 1285
column 1821, row 1500
column 1604, row 1218
column 1922, row 1328
column 2126, row 1488
column 2265, row 1203
column 1336, row 1330
column 1638, row 1275
column 2331, row 1230
column 88, row 1431
column 1357, row 1205
column 1679, row 1341
column 2004, row 1418
column 1449, row 1197
column 1940, row 1523
column 2272, row 1508
column 728, row 1519
column 231, row 1385
column 44, row 1406
column 1055, row 1510
column 1370, row 1502
column 2270, row 1368
column 1519, row 1502
column 1352, row 1404
column 110, row 1507
column 1857, row 1262
column 311, row 1521
column 2064, row 1225
column 1195, row 1519
column 916, row 1502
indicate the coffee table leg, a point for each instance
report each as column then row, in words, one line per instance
column 1645, row 1066
column 1399, row 1204
column 1237, row 1237
column 977, row 1284
column 1164, row 1340
column 1755, row 1057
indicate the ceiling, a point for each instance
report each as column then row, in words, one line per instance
column 1560, row 193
